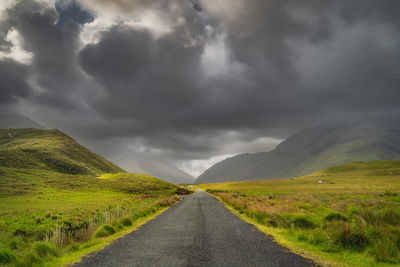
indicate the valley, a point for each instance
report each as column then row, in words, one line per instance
column 60, row 202
column 199, row 133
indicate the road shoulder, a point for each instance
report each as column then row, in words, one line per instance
column 277, row 237
column 96, row 245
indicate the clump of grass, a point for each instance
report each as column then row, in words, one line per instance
column 16, row 243
column 335, row 217
column 126, row 221
column 391, row 216
column 168, row 201
column 7, row 256
column 183, row 191
column 386, row 249
column 45, row 250
column 352, row 238
column 73, row 247
column 275, row 220
column 30, row 259
column 378, row 217
column 117, row 226
column 215, row 191
column 303, row 223
column 260, row 217
column 315, row 237
column 388, row 193
column 104, row 231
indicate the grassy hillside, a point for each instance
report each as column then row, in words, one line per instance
column 58, row 200
column 322, row 146
column 347, row 214
column 51, row 150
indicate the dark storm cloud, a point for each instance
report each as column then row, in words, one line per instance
column 54, row 48
column 13, row 83
column 160, row 84
column 146, row 79
column 54, row 68
column 204, row 73
column 356, row 67
column 344, row 38
column 120, row 56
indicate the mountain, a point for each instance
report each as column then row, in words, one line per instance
column 33, row 160
column 52, row 150
column 56, row 193
column 324, row 145
column 162, row 170
column 12, row 120
column 154, row 166
column 137, row 164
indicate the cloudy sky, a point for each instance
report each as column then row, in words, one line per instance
column 194, row 81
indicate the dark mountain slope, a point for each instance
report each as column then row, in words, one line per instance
column 312, row 149
column 158, row 168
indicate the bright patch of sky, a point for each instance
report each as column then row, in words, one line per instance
column 69, row 10
column 16, row 52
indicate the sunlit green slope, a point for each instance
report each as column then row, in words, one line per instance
column 49, row 149
column 59, row 200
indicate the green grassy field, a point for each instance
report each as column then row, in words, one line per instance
column 58, row 200
column 347, row 215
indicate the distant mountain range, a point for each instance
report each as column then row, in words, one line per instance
column 324, row 145
column 139, row 164
column 157, row 168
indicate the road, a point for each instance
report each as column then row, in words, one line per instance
column 198, row 231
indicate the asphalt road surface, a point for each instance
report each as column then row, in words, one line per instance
column 198, row 231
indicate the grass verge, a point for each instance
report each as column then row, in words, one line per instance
column 98, row 244
column 59, row 199
column 64, row 242
column 343, row 216
column 280, row 238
